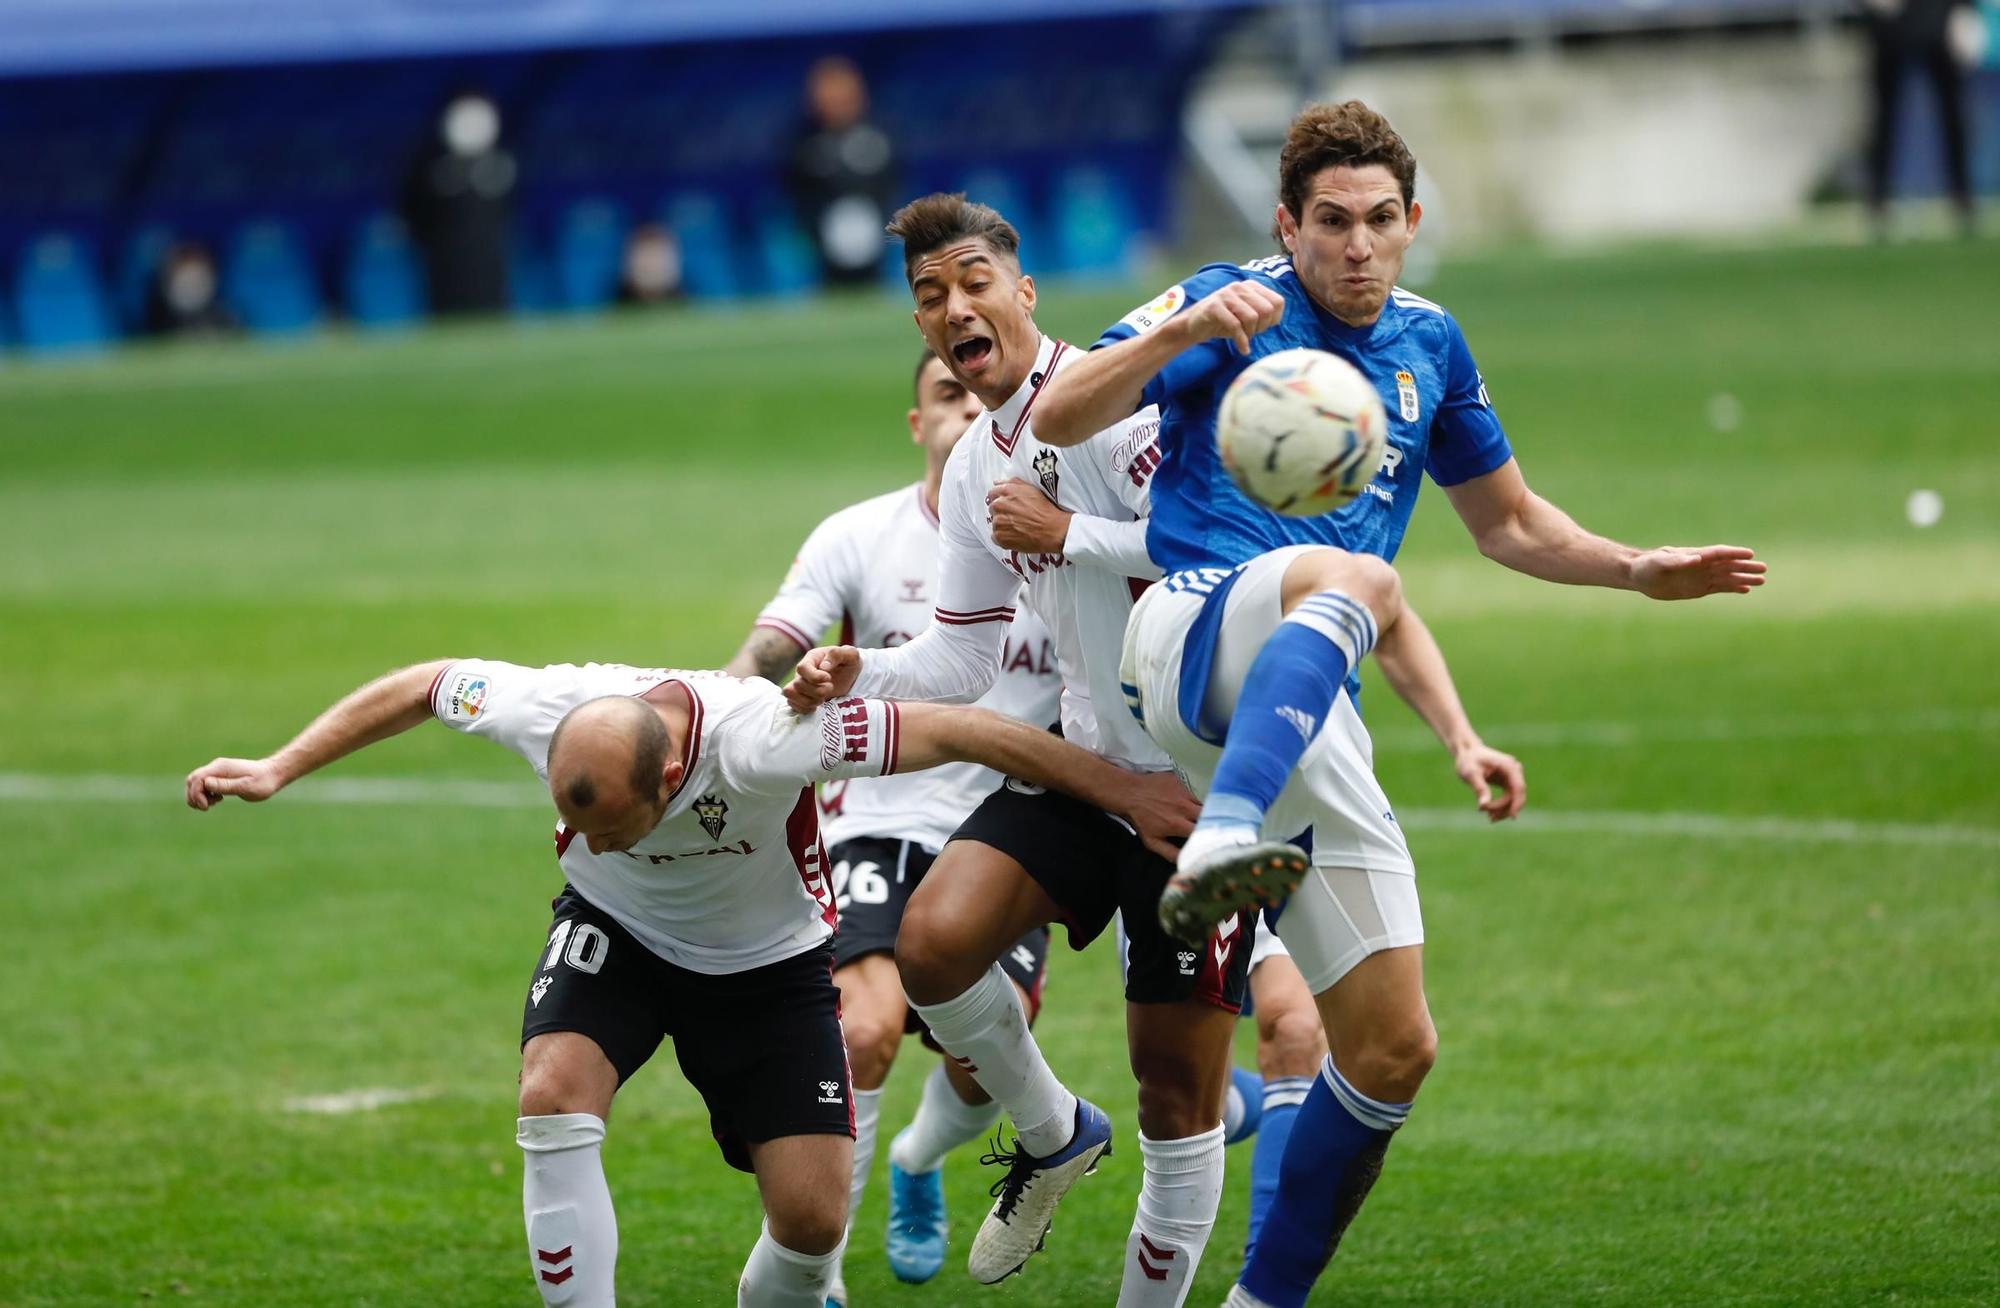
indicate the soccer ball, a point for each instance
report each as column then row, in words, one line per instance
column 1301, row 432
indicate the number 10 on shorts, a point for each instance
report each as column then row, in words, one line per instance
column 583, row 949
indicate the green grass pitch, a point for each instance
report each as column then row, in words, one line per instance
column 1720, row 1020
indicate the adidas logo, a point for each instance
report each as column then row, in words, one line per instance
column 1302, row 722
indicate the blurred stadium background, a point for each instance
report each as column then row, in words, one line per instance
column 1720, row 1018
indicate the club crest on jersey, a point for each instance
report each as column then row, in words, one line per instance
column 913, row 590
column 1406, row 394
column 1045, row 468
column 713, row 811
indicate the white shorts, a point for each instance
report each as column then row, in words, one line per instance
column 1361, row 896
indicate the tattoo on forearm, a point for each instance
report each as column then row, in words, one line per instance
column 767, row 653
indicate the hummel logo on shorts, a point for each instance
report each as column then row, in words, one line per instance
column 829, row 1092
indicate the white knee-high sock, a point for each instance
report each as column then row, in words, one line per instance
column 1177, row 1203
column 777, row 1277
column 572, row 1232
column 867, row 1109
column 986, row 1030
column 943, row 1123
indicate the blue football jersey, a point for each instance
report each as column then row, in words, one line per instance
column 1439, row 421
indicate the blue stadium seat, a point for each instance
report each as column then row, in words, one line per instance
column 531, row 286
column 790, row 267
column 700, row 222
column 1094, row 224
column 59, row 303
column 589, row 250
column 267, row 281
column 384, row 279
column 138, row 262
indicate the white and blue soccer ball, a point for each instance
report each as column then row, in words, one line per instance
column 1301, row 432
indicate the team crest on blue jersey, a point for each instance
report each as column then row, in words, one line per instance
column 711, row 809
column 1045, row 468
column 1406, row 394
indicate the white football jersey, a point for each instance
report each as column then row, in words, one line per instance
column 734, row 876
column 1082, row 594
column 874, row 568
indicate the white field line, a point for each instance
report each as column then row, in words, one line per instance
column 31, row 787
column 1527, row 735
column 360, row 1101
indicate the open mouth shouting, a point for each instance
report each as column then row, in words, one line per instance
column 973, row 352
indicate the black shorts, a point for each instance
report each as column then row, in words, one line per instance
column 873, row 879
column 763, row 1047
column 1092, row 866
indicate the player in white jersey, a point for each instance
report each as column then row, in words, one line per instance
column 1027, row 857
column 695, row 907
column 873, row 569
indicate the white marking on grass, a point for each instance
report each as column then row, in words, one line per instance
column 365, row 1100
column 1522, row 735
column 400, row 792
column 1711, row 826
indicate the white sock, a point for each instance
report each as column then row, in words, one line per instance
column 572, row 1232
column 986, row 1030
column 1177, row 1203
column 867, row 1108
column 777, row 1277
column 1242, row 1298
column 943, row 1123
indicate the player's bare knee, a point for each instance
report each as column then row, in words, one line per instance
column 546, row 1090
column 1175, row 1097
column 1290, row 1042
column 1396, row 1059
column 1364, row 577
column 935, row 962
column 809, row 1222
column 872, row 1041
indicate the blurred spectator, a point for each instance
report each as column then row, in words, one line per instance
column 1919, row 34
column 457, row 203
column 651, row 273
column 184, row 296
column 842, row 174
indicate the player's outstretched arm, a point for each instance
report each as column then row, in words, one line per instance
column 949, row 662
column 1415, row 669
column 383, row 708
column 1107, row 385
column 1155, row 803
column 1514, row 526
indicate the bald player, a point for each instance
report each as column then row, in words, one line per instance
column 695, row 907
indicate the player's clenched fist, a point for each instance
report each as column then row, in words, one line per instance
column 1238, row 311
column 246, row 778
column 823, row 674
column 1025, row 518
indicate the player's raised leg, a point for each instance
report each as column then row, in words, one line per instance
column 1333, row 605
column 972, row 907
column 954, row 1110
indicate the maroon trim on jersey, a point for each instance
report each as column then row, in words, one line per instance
column 691, row 748
column 1048, row 370
column 564, row 837
column 1216, row 954
column 846, row 628
column 893, row 732
column 952, row 617
column 809, row 856
column 924, row 506
column 787, row 630
column 431, row 695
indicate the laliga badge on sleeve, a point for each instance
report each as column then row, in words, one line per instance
column 1151, row 314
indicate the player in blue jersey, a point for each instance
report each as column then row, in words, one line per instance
column 1253, row 640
